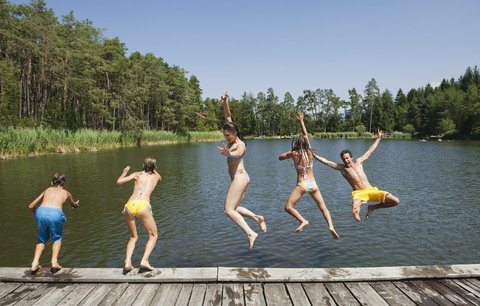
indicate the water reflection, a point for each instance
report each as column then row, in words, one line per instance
column 436, row 222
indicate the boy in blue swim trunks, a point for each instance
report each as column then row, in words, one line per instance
column 362, row 192
column 49, row 218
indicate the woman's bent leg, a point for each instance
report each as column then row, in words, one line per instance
column 317, row 197
column 151, row 228
column 132, row 229
column 294, row 197
column 232, row 201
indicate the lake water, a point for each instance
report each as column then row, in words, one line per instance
column 437, row 221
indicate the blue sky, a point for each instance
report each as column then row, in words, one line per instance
column 251, row 45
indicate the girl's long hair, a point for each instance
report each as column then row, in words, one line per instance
column 301, row 145
column 232, row 127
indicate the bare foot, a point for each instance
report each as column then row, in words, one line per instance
column 356, row 212
column 334, row 233
column 302, row 226
column 55, row 268
column 261, row 221
column 127, row 267
column 145, row 266
column 370, row 210
column 251, row 239
column 34, row 269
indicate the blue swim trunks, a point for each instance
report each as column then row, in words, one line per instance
column 49, row 223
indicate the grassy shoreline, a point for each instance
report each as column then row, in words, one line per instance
column 25, row 142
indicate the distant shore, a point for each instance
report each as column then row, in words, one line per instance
column 25, row 142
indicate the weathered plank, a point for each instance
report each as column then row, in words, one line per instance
column 146, row 295
column 461, row 291
column 129, row 295
column 318, row 294
column 366, row 294
column 112, row 296
column 184, row 295
column 276, row 294
column 474, row 282
column 391, row 294
column 18, row 294
column 6, row 288
column 78, row 293
column 468, row 286
column 35, row 295
column 55, row 295
column 198, row 295
column 213, row 295
column 97, row 294
column 297, row 294
column 448, row 293
column 233, row 294
column 254, row 294
column 432, row 293
column 167, row 294
column 341, row 294
column 415, row 294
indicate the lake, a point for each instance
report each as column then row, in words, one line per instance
column 436, row 223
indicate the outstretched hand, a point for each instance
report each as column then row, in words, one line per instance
column 75, row 204
column 126, row 169
column 225, row 96
column 300, row 116
column 380, row 134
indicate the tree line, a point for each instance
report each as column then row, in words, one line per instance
column 66, row 74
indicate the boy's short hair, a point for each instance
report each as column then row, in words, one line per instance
column 345, row 152
column 59, row 179
column 149, row 164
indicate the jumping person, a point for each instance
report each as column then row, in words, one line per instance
column 49, row 218
column 302, row 156
column 138, row 207
column 235, row 152
column 362, row 192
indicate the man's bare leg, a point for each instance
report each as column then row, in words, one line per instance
column 356, row 210
column 390, row 201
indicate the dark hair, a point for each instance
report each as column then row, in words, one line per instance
column 301, row 145
column 232, row 127
column 149, row 164
column 59, row 179
column 345, row 152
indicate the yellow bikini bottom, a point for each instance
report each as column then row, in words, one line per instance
column 136, row 206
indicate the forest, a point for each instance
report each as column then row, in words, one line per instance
column 64, row 74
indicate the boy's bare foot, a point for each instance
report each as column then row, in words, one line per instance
column 356, row 212
column 261, row 221
column 302, row 226
column 251, row 239
column 370, row 210
column 55, row 268
column 34, row 269
column 334, row 233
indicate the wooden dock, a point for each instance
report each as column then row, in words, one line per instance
column 412, row 285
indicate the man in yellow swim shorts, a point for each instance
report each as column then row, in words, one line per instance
column 362, row 192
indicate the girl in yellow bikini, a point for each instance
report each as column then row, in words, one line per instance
column 138, row 207
column 302, row 157
column 235, row 151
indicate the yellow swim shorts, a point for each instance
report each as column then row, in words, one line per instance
column 369, row 194
column 136, row 206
